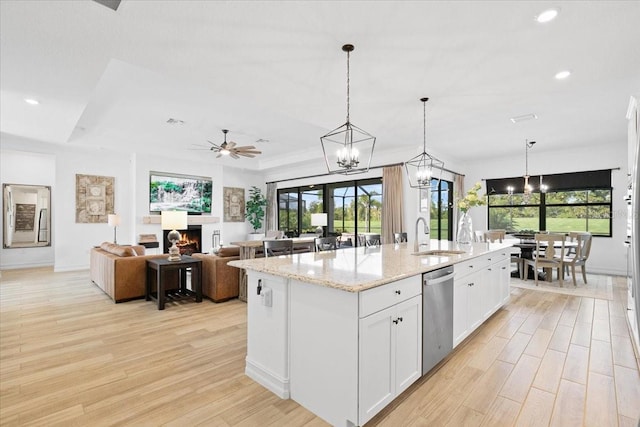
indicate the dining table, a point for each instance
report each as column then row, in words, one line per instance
column 527, row 246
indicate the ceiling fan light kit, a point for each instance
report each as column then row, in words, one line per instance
column 232, row 149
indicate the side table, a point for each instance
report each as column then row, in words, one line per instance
column 159, row 266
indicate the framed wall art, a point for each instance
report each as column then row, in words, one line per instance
column 233, row 204
column 94, row 198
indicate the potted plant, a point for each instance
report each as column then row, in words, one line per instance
column 255, row 211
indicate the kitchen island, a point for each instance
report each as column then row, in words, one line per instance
column 340, row 332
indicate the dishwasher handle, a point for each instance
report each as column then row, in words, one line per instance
column 430, row 282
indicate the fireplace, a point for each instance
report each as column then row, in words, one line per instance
column 190, row 240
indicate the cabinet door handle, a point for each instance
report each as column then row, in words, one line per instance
column 398, row 292
column 470, row 284
column 259, row 288
column 489, row 269
column 395, row 321
column 400, row 319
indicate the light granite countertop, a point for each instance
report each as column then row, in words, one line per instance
column 361, row 268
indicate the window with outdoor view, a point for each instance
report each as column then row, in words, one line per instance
column 579, row 201
column 441, row 213
column 353, row 208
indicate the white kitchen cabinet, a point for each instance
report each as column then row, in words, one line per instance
column 480, row 288
column 390, row 355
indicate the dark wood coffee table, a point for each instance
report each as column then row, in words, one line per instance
column 158, row 267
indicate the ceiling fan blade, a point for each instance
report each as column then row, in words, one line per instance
column 231, row 144
column 214, row 146
column 245, row 147
column 250, row 151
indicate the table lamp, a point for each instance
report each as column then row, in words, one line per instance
column 174, row 221
column 114, row 221
column 319, row 220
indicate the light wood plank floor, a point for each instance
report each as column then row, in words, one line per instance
column 70, row 357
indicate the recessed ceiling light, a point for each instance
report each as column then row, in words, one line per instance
column 31, row 101
column 563, row 74
column 547, row 16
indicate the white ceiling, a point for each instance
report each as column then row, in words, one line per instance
column 276, row 71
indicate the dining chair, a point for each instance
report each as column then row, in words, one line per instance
column 578, row 256
column 493, row 236
column 400, row 237
column 277, row 247
column 326, row 244
column 372, row 239
column 545, row 255
column 498, row 235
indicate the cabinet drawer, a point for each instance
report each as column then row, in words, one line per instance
column 473, row 265
column 384, row 296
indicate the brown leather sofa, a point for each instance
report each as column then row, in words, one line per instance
column 220, row 282
column 121, row 271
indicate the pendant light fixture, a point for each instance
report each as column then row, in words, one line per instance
column 348, row 149
column 420, row 168
column 527, row 187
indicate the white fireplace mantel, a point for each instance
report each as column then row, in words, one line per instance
column 191, row 219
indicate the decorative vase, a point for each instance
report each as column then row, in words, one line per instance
column 465, row 229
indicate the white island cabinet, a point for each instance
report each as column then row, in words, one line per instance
column 340, row 332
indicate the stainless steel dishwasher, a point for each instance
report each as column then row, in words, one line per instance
column 437, row 316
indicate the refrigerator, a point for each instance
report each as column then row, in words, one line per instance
column 632, row 240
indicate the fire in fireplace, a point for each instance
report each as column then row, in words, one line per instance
column 190, row 240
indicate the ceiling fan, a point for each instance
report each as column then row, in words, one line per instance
column 232, row 149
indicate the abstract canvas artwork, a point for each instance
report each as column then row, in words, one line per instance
column 233, row 204
column 94, row 198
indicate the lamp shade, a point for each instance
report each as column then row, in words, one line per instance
column 319, row 219
column 174, row 220
column 113, row 220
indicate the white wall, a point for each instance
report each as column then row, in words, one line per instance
column 57, row 165
column 20, row 167
column 608, row 254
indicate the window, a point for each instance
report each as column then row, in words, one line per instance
column 441, row 213
column 354, row 207
column 579, row 201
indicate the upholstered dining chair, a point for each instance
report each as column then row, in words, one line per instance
column 549, row 254
column 277, row 247
column 326, row 244
column 580, row 255
column 400, row 237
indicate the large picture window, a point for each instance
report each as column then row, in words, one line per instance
column 579, row 201
column 353, row 208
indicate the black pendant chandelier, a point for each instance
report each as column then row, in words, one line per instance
column 348, row 149
column 420, row 168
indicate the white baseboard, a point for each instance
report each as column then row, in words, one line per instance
column 275, row 384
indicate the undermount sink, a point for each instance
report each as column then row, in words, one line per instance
column 438, row 252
